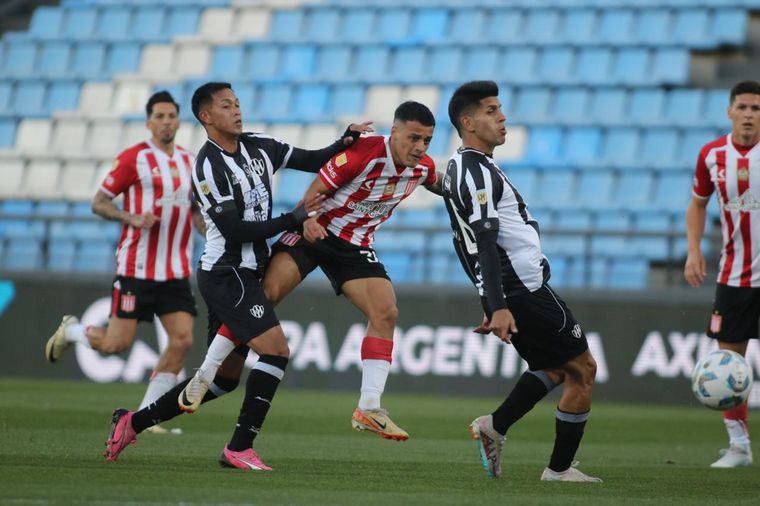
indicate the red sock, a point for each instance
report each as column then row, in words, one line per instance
column 739, row 413
column 377, row 348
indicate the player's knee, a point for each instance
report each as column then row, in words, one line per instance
column 181, row 343
column 113, row 346
column 384, row 315
column 589, row 370
column 272, row 290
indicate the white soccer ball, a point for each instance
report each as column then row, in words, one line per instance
column 722, row 380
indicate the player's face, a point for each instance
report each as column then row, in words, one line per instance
column 410, row 141
column 488, row 122
column 224, row 112
column 163, row 122
column 744, row 113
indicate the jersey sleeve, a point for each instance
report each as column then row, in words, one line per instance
column 703, row 185
column 122, row 175
column 479, row 197
column 345, row 166
column 278, row 151
column 212, row 188
column 431, row 176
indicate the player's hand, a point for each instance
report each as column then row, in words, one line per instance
column 313, row 231
column 313, row 205
column 144, row 220
column 483, row 328
column 503, row 325
column 354, row 131
column 695, row 269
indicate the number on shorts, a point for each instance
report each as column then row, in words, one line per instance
column 371, row 256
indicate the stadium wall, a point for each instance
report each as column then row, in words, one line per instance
column 646, row 346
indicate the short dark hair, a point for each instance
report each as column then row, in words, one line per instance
column 468, row 96
column 204, row 95
column 744, row 87
column 159, row 97
column 414, row 111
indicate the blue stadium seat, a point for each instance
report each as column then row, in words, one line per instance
column 429, row 25
column 634, row 190
column 123, row 58
column 559, row 270
column 333, row 62
column 6, row 92
column 262, row 61
column 466, row 25
column 371, row 63
column 658, row 148
column 29, row 99
column 716, row 105
column 684, row 107
column 23, row 255
column 7, row 132
column 653, row 26
column 612, row 219
column 571, row 105
column 647, row 106
column 273, row 102
column 577, row 26
column 620, row 147
column 573, row 220
column 19, row 58
column 503, row 26
column 63, row 95
column 46, row 22
column 393, row 24
column 61, row 255
column 524, row 181
column 557, row 189
column 357, row 25
column 608, row 106
column 445, row 63
column 517, row 65
column 582, row 145
column 227, row 62
column 671, row 66
column 286, row 25
column 541, row 26
column 54, row 59
column 595, row 189
column 690, row 28
column 346, row 99
column 593, row 65
column 310, row 101
column 556, row 65
column 532, row 105
column 246, row 94
column 608, row 245
column 79, row 23
column 729, row 26
column 181, row 21
column 616, row 26
column 544, row 145
column 651, row 221
column 673, row 191
column 17, row 208
column 322, row 25
column 480, row 62
column 148, row 24
column 94, row 256
column 439, row 146
column 52, row 209
column 88, row 59
column 408, row 65
column 691, row 143
column 291, row 187
column 114, row 23
column 631, row 66
column 628, row 274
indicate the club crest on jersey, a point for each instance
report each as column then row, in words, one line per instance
column 289, row 238
column 389, row 189
column 742, row 174
column 258, row 166
column 341, row 160
column 205, row 189
column 128, row 302
column 482, row 197
column 716, row 322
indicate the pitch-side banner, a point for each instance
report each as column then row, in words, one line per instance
column 645, row 348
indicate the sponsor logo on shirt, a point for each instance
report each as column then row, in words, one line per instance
column 371, row 209
column 389, row 189
column 745, row 203
column 331, row 171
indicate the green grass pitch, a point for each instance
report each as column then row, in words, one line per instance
column 52, row 435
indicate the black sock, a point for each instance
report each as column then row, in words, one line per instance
column 259, row 391
column 166, row 407
column 569, row 433
column 530, row 388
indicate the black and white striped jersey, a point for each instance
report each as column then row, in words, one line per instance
column 241, row 181
column 480, row 198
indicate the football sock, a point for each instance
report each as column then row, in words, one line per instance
column 166, row 407
column 260, row 388
column 736, row 425
column 160, row 383
column 220, row 347
column 74, row 333
column 569, row 432
column 530, row 388
column 376, row 364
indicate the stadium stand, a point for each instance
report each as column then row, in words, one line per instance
column 605, row 118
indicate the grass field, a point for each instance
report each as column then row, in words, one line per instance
column 52, row 434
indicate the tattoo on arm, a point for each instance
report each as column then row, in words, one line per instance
column 200, row 224
column 103, row 206
column 436, row 187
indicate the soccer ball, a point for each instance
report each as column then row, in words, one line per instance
column 722, row 380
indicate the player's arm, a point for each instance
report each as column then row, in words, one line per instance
column 197, row 217
column 312, row 230
column 437, row 186
column 313, row 160
column 123, row 174
column 695, row 268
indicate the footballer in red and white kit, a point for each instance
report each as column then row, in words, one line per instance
column 364, row 184
column 730, row 167
column 154, row 249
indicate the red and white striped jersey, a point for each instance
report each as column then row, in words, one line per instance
column 368, row 187
column 153, row 181
column 734, row 172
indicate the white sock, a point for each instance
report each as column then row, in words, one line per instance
column 737, row 433
column 374, row 374
column 218, row 350
column 74, row 333
column 160, row 383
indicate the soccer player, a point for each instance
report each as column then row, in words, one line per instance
column 363, row 184
column 497, row 241
column 730, row 165
column 154, row 250
column 232, row 182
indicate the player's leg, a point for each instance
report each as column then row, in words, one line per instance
column 260, row 390
column 282, row 276
column 377, row 300
column 733, row 322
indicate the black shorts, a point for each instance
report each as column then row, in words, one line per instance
column 140, row 299
column 340, row 260
column 548, row 335
column 735, row 316
column 235, row 298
